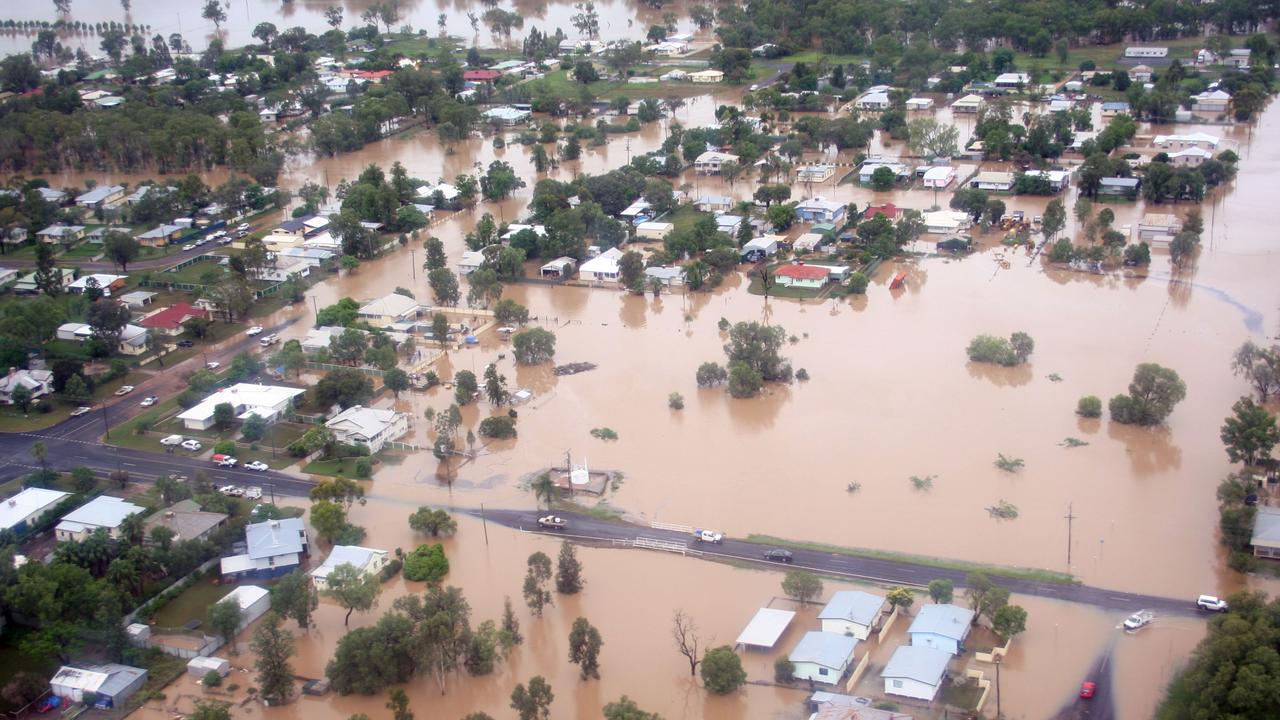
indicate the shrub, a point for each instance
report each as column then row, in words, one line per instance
column 992, row 349
column 225, row 447
column 426, row 563
column 392, row 569
column 802, row 374
column 364, row 468
column 711, row 374
column 604, row 433
column 784, row 671
column 498, row 426
column 858, row 283
column 212, row 679
column 675, row 401
column 1090, row 406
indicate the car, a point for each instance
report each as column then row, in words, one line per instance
column 192, row 445
column 253, row 493
column 231, row 491
column 224, row 460
column 553, row 522
column 149, row 401
column 49, row 703
column 253, row 330
column 186, row 343
column 257, row 465
column 81, row 411
column 242, row 227
column 1088, row 688
column 708, row 536
column 188, row 246
column 269, row 340
column 212, row 365
column 172, row 440
column 753, row 88
column 200, row 242
column 1139, row 620
column 779, row 555
column 124, row 390
column 1211, row 603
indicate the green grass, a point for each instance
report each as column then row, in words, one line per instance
column 685, row 218
column 83, row 251
column 756, row 288
column 345, row 467
column 189, row 274
column 813, row 56
column 192, row 604
column 961, row 694
column 162, row 669
column 1036, row 574
column 558, row 83
column 13, row 661
column 11, row 420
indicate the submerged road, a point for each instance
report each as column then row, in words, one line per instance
column 897, row 572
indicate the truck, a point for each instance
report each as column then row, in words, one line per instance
column 172, row 440
column 223, row 460
column 708, row 536
column 552, row 522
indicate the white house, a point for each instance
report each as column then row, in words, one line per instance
column 1177, row 142
column 268, row 402
column 470, row 262
column 875, row 98
column 1238, row 58
column 601, row 268
column 372, row 426
column 823, row 657
column 274, row 548
column 968, row 104
column 941, row 627
column 37, row 382
column 561, row 267
column 939, row 177
column 654, row 230
column 711, row 161
column 99, row 196
column 945, row 221
column 1155, row 224
column 253, row 601
column 819, row 210
column 1011, row 80
column 388, row 309
column 506, row 115
column 919, row 103
column 1058, row 179
column 870, row 167
column 1190, row 157
column 992, row 180
column 819, row 173
column 706, row 76
column 1140, row 73
column 1146, row 52
column 1114, row 108
column 666, row 275
column 1211, row 101
column 915, row 672
column 713, row 203
column 103, row 512
column 852, row 612
column 368, row 561
column 17, row 512
column 801, row 276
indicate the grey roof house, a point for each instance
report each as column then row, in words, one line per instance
column 915, row 672
column 186, row 520
column 852, row 612
column 1266, row 533
column 822, row 656
column 942, row 627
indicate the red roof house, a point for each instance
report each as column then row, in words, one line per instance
column 375, row 75
column 169, row 320
column 801, row 275
column 481, row 75
column 889, row 210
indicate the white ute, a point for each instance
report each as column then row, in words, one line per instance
column 1211, row 603
column 708, row 536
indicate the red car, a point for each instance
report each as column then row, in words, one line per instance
column 1087, row 688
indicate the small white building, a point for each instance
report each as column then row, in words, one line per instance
column 666, row 275
column 1141, row 73
column 654, row 230
column 968, row 104
column 1146, row 52
column 199, row 667
column 110, row 685
column 714, row 203
column 920, row 103
column 1154, row 224
column 253, row 601
column 706, row 76
column 852, row 612
column 389, row 309
column 757, row 249
column 711, row 161
column 561, row 267
column 1058, row 180
column 266, row 401
column 823, row 657
column 1211, row 101
column 1178, row 142
column 507, row 116
column 18, row 511
column 941, row 627
column 368, row 561
column 819, row 173
column 1012, row 80
column 875, row 98
column 101, row 513
column 992, row 180
column 602, row 268
column 940, row 177
column 1189, row 157
column 373, row 427
column 915, row 672
column 869, row 168
column 38, row 382
column 945, row 221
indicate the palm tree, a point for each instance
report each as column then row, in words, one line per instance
column 544, row 488
column 41, row 454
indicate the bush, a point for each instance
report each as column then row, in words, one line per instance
column 604, row 433
column 392, row 569
column 675, row 401
column 802, row 374
column 858, row 283
column 1090, row 406
column 426, row 563
column 225, row 447
column 744, row 380
column 499, row 427
column 784, row 671
column 991, row 349
column 711, row 374
column 212, row 679
column 364, row 468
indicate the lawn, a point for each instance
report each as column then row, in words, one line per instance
column 189, row 274
column 345, row 467
column 191, row 604
column 162, row 669
column 13, row 660
column 685, row 218
column 83, row 251
column 13, row 421
column 755, row 288
column 559, row 84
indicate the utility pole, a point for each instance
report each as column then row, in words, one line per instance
column 485, row 523
column 314, row 308
column 106, row 427
column 413, row 265
column 1070, row 518
column 998, row 714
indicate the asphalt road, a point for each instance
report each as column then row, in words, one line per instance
column 584, row 527
column 1102, row 705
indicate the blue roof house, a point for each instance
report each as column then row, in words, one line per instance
column 823, row 657
column 941, row 627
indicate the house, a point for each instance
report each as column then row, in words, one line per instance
column 889, row 210
column 875, row 98
column 832, row 706
column 1058, row 179
column 284, row 268
column 919, row 103
column 1153, row 224
column 373, row 427
column 710, row 162
column 186, row 520
column 706, row 76
column 109, row 685
column 268, row 402
column 992, row 180
column 822, row 657
column 507, row 116
column 104, row 282
column 669, row 48
column 160, row 235
column 869, row 168
column 389, row 309
column 515, row 229
column 799, row 275
column 19, row 511
column 915, row 672
column 634, row 210
column 1120, row 186
column 78, row 332
column 815, row 173
column 133, row 340
column 1059, row 104
column 1190, row 157
column 1266, row 532
column 1114, row 108
column 368, row 561
column 968, row 104
column 313, row 257
column 676, row 75
column 253, row 601
column 62, row 234
column 470, row 262
column 101, row 513
column 940, row 177
column 601, row 268
column 654, row 230
column 665, row 275
column 480, row 76
column 757, row 249
column 27, row 283
column 808, row 242
column 57, row 197
column 1177, row 142
column 729, row 224
column 1074, row 86
column 8, row 277
column 38, row 382
column 198, row 667
column 1238, row 58
column 941, row 627
column 714, row 203
column 852, row 612
column 1012, row 80
column 1146, row 52
column 1211, row 101
column 169, row 320
column 1140, row 73
column 942, row 222
column 273, row 548
column 100, row 196
column 287, row 234
column 561, row 267
column 819, row 210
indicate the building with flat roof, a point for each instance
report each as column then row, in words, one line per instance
column 109, row 685
column 18, row 512
column 253, row 601
column 101, row 513
column 765, row 627
column 1266, row 532
column 266, row 401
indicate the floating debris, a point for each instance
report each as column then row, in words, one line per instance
column 1003, row 510
column 1073, row 443
column 923, row 484
column 853, row 487
column 604, row 433
column 574, row 368
column 1008, row 464
column 1055, row 377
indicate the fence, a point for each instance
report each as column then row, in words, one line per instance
column 663, row 545
column 207, row 645
column 997, row 653
column 978, row 677
column 856, row 675
column 888, row 624
column 372, row 372
column 687, row 529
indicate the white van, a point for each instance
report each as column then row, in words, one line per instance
column 172, row 440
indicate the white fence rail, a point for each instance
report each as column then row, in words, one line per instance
column 687, row 529
column 663, row 545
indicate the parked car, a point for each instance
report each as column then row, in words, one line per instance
column 172, row 440
column 779, row 555
column 1139, row 620
column 708, row 536
column 149, row 401
column 1088, row 688
column 124, row 390
column 253, row 493
column 269, row 340
column 231, row 491
column 242, row 227
column 188, row 246
column 553, row 522
column 191, row 445
column 253, row 330
column 213, row 365
column 186, row 343
column 223, row 460
column 81, row 411
column 257, row 465
column 1211, row 603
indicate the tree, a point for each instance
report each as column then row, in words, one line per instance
column 214, row 12
column 941, row 591
column 48, row 278
column 328, row 518
column 433, row 521
column 253, row 429
column 499, row 181
column 343, row 387
column 626, row 709
column 398, row 704
column 533, row 346
column 444, row 286
column 757, row 347
column 584, row 648
column 21, row 398
column 510, row 312
column 107, row 320
column 344, row 491
column 225, row 619
column 223, row 415
column 631, row 271
column 495, row 385
column 802, row 586
column 121, row 247
column 352, row 589
column 900, row 598
column 396, row 380
column 882, row 179
column 1250, row 433
column 294, row 597
column 784, row 671
column 685, row 633
column 1009, row 620
column 498, row 427
column 211, row 709
column 568, row 570
column 1154, row 392
column 465, row 386
column 722, row 671
column 536, row 595
column 1053, row 220
column 534, row 702
column 333, row 16
column 928, row 138
column 710, row 374
column 1260, row 366
column 273, row 647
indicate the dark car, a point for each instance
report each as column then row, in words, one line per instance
column 186, row 343
column 778, row 555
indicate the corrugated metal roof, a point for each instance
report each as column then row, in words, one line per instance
column 853, row 605
column 830, row 650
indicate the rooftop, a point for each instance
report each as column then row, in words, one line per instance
column 922, row 664
column 802, row 272
column 831, row 650
column 98, row 194
column 273, row 538
column 766, row 627
column 245, row 596
column 944, row 620
column 19, row 507
column 103, row 511
column 185, row 519
column 172, row 317
column 853, row 605
column 366, row 422
column 1266, row 527
column 393, row 305
column 353, row 555
column 248, row 395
